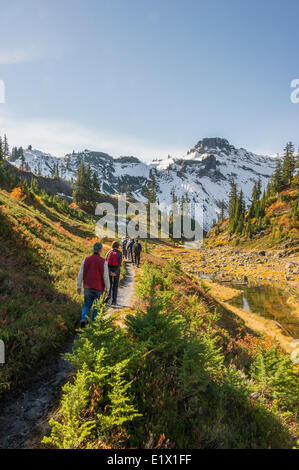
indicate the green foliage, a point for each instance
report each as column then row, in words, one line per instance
column 256, row 221
column 276, row 182
column 288, row 166
column 204, row 287
column 175, row 264
column 16, row 153
column 121, row 410
column 101, row 387
column 274, row 377
column 87, row 185
column 295, row 182
column 232, row 200
column 164, row 374
column 284, row 171
column 236, row 210
column 150, row 191
column 221, row 216
column 295, row 210
column 34, row 187
column 2, row 172
column 151, row 281
column 4, row 153
column 62, row 206
column 73, row 431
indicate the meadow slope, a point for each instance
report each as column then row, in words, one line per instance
column 42, row 246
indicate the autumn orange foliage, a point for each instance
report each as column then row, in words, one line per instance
column 18, row 194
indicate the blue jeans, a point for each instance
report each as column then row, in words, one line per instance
column 90, row 296
column 114, row 280
column 137, row 258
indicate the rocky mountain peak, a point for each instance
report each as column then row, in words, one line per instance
column 213, row 143
column 127, row 159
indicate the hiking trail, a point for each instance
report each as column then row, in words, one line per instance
column 24, row 416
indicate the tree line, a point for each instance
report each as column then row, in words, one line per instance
column 86, row 187
column 244, row 223
column 4, row 153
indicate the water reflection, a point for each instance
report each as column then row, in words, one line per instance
column 269, row 302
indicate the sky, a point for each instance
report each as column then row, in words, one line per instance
column 148, row 78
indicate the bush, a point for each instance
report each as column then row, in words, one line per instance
column 19, row 193
column 274, row 377
column 98, row 403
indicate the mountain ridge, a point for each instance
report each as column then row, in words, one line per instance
column 202, row 175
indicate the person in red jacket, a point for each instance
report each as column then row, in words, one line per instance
column 114, row 259
column 95, row 277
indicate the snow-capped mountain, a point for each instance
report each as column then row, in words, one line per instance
column 204, row 173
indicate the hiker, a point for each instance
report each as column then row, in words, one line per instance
column 130, row 246
column 137, row 249
column 95, row 276
column 114, row 259
column 124, row 247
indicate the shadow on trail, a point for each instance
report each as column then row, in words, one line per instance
column 127, row 288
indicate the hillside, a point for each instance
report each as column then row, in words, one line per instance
column 278, row 228
column 52, row 186
column 42, row 246
column 202, row 176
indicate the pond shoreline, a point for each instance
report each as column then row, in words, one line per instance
column 267, row 327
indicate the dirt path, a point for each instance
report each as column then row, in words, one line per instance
column 127, row 290
column 24, row 417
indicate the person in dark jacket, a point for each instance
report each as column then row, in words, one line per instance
column 114, row 259
column 95, row 277
column 124, row 246
column 137, row 249
column 130, row 246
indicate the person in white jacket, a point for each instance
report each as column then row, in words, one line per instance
column 94, row 274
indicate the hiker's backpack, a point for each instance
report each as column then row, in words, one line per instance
column 137, row 248
column 113, row 259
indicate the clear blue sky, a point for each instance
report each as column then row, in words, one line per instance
column 149, row 77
